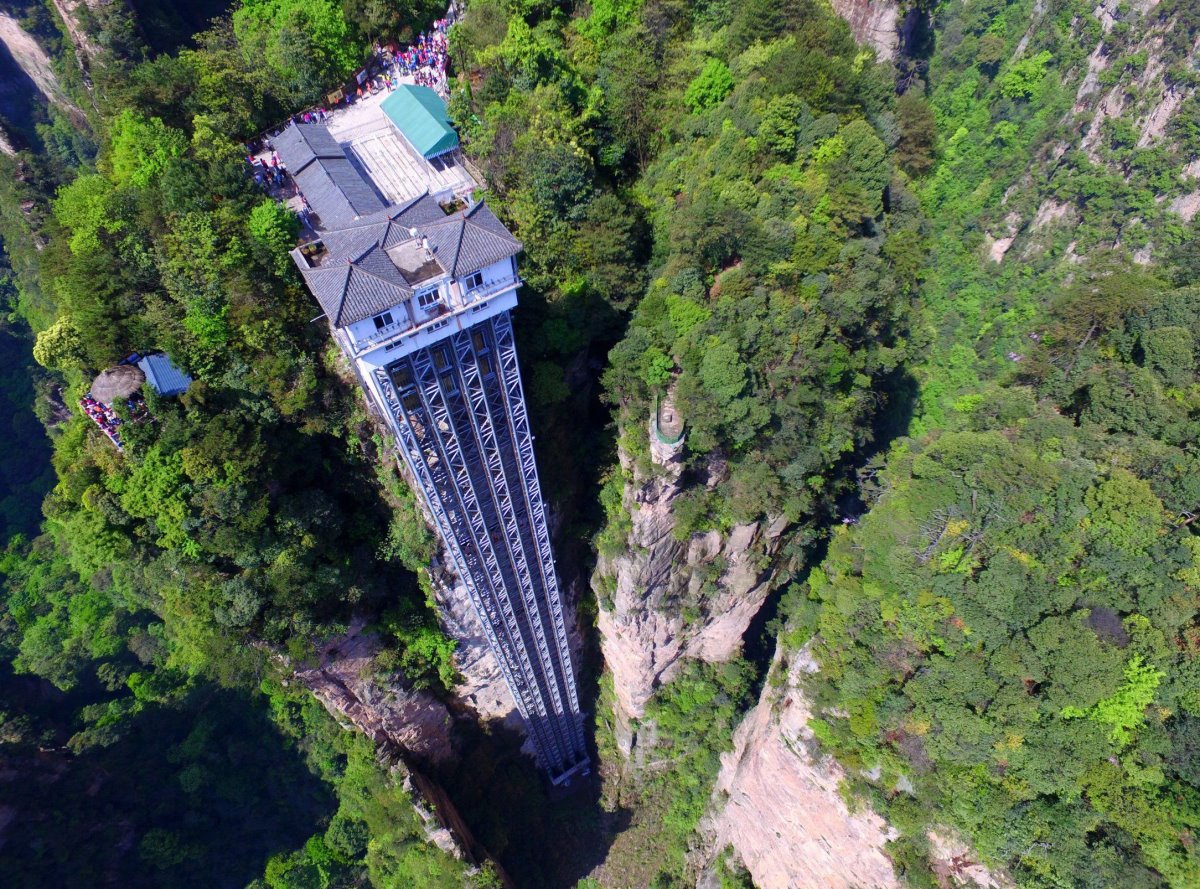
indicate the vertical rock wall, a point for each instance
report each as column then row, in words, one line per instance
column 382, row 708
column 481, row 687
column 777, row 804
column 73, row 14
column 663, row 600
column 874, row 23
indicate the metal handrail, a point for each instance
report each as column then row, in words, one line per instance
column 472, row 297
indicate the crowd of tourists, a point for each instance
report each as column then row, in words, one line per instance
column 424, row 63
column 269, row 172
column 425, row 60
column 104, row 417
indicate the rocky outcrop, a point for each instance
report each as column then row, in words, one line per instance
column 413, row 722
column 1147, row 96
column 441, row 823
column 410, row 728
column 954, row 863
column 73, row 14
column 38, row 88
column 777, row 804
column 481, row 686
column 874, row 23
column 29, row 56
column 663, row 600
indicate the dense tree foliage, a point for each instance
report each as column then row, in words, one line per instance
column 1008, row 633
column 244, row 522
column 721, row 175
column 145, row 776
column 216, row 790
column 695, row 715
column 728, row 203
column 25, row 472
column 1012, row 627
column 787, row 253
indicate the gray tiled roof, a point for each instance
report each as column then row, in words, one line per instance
column 387, row 227
column 355, row 278
column 350, row 291
column 301, row 143
column 469, row 241
column 334, row 188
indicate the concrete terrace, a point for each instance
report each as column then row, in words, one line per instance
column 389, row 162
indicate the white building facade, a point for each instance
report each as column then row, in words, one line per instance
column 420, row 301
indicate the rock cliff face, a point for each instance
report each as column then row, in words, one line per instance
column 1146, row 96
column 874, row 23
column 663, row 600
column 481, row 686
column 73, row 14
column 776, row 801
column 777, row 804
column 17, row 97
column 443, row 825
column 29, row 56
column 413, row 722
column 410, row 728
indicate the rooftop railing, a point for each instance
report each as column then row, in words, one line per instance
column 398, row 329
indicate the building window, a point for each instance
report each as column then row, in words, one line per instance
column 429, row 299
column 473, row 280
column 382, row 321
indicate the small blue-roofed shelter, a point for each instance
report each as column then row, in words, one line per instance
column 420, row 115
column 163, row 375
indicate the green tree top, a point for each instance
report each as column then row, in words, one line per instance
column 141, row 148
column 710, row 87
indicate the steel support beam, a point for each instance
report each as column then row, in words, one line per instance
column 463, row 430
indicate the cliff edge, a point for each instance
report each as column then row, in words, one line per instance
column 776, row 800
column 874, row 23
column 663, row 599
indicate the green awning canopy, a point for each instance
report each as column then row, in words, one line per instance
column 420, row 114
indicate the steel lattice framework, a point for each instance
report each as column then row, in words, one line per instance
column 459, row 411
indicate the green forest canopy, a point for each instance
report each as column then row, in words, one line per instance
column 726, row 199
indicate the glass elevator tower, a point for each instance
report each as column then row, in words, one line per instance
column 419, row 295
column 463, row 430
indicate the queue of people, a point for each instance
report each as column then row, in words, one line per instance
column 104, row 417
column 425, row 60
